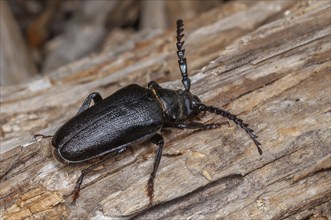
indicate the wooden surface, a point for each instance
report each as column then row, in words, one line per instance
column 16, row 65
column 267, row 62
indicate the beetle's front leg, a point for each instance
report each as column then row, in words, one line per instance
column 158, row 140
column 197, row 125
column 86, row 104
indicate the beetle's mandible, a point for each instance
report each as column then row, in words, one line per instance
column 134, row 114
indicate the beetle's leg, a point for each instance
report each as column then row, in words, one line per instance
column 158, row 140
column 181, row 55
column 197, row 125
column 153, row 85
column 238, row 121
column 41, row 135
column 90, row 169
column 75, row 192
column 86, row 104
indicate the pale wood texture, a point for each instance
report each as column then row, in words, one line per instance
column 87, row 26
column 16, row 65
column 268, row 62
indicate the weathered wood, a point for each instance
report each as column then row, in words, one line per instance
column 87, row 26
column 16, row 65
column 274, row 73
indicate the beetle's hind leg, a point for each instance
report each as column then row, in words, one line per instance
column 86, row 104
column 75, row 192
column 159, row 141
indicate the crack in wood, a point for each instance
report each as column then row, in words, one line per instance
column 189, row 199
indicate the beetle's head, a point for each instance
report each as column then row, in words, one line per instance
column 177, row 105
column 188, row 103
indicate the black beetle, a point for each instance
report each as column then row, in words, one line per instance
column 134, row 114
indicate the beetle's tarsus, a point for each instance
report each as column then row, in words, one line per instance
column 234, row 118
column 150, row 190
column 74, row 198
column 41, row 135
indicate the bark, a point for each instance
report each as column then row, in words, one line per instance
column 267, row 62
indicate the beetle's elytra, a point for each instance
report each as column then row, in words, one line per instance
column 134, row 114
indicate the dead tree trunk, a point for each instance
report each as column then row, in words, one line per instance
column 268, row 62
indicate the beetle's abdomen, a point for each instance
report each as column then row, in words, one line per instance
column 127, row 116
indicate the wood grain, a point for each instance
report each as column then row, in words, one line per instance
column 16, row 64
